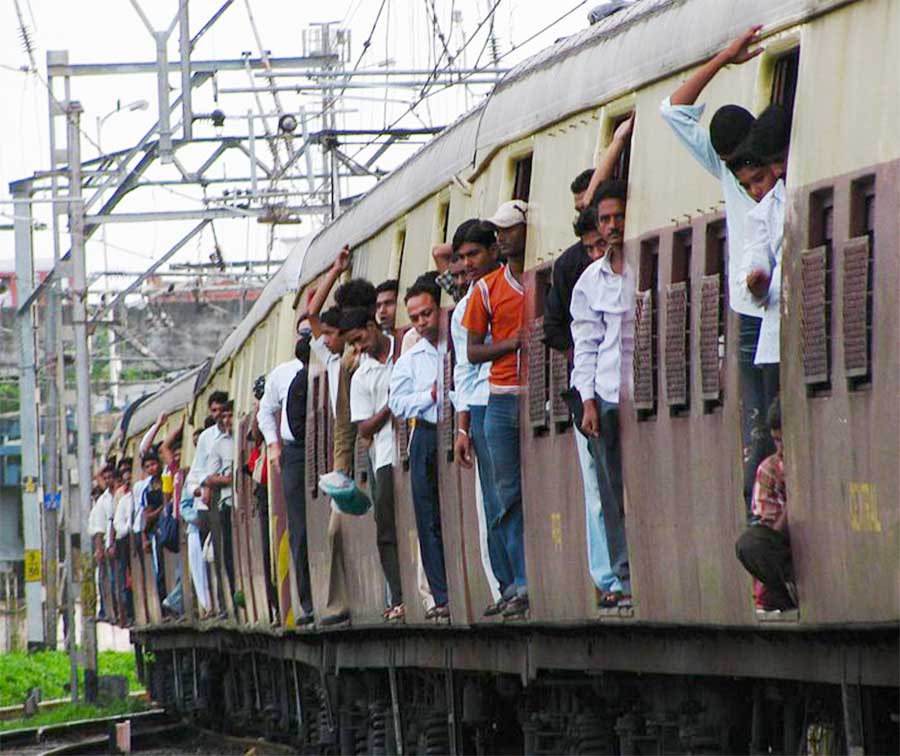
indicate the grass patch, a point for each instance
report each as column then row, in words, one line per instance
column 49, row 671
column 74, row 712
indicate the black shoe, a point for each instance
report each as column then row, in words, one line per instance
column 304, row 620
column 334, row 619
column 516, row 607
column 495, row 608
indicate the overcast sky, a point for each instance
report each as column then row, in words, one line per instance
column 111, row 31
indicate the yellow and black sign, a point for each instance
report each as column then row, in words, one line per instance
column 32, row 565
column 29, row 484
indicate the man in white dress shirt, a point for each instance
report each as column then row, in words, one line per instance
column 414, row 394
column 602, row 311
column 100, row 524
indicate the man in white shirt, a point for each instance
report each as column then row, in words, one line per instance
column 715, row 150
column 602, row 311
column 370, row 411
column 122, row 518
column 220, row 479
column 287, row 456
column 193, row 510
column 414, row 393
column 100, row 530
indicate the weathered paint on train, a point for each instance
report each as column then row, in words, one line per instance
column 682, row 469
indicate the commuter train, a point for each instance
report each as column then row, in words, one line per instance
column 692, row 666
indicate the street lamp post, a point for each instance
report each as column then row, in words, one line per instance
column 115, row 365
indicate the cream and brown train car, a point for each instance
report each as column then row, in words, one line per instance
column 837, row 63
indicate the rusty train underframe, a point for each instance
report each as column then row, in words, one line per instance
column 514, row 689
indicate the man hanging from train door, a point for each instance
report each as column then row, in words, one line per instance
column 497, row 306
column 713, row 149
column 474, row 243
column 602, row 311
column 567, row 269
column 414, row 395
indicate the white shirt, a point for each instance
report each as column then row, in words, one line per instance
column 122, row 518
column 221, row 462
column 199, row 467
column 470, row 382
column 415, row 372
column 602, row 312
column 685, row 122
column 332, row 363
column 369, row 390
column 273, row 402
column 765, row 239
column 101, row 517
column 139, row 504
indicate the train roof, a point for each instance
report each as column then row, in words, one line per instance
column 649, row 40
column 171, row 397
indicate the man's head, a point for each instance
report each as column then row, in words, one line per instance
column 610, row 203
column 579, row 186
column 773, row 419
column 176, row 454
column 728, row 128
column 259, row 385
column 331, row 330
column 301, row 352
column 357, row 292
column 150, row 464
column 474, row 242
column 770, row 137
column 423, row 307
column 510, row 220
column 107, row 475
column 386, row 294
column 215, row 403
column 226, row 417
column 360, row 330
column 124, row 468
column 752, row 172
column 586, row 230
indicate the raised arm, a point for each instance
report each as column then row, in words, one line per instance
column 606, row 164
column 737, row 52
column 150, row 435
column 166, row 448
column 341, row 264
column 441, row 254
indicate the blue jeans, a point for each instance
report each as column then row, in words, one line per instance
column 598, row 553
column 501, row 431
column 427, row 504
column 500, row 563
column 607, row 452
column 759, row 387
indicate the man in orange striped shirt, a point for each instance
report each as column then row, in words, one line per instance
column 496, row 307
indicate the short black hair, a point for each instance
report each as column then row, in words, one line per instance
column 151, row 455
column 357, row 292
column 474, row 231
column 392, row 284
column 301, row 352
column 729, row 127
column 355, row 317
column 581, row 182
column 229, row 406
column 217, row 397
column 744, row 157
column 425, row 284
column 127, row 462
column 109, row 467
column 611, row 189
column 773, row 416
column 770, row 133
column 208, row 422
column 331, row 317
column 586, row 221
column 259, row 385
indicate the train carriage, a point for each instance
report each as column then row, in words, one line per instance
column 693, row 624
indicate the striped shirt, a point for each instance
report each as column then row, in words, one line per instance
column 769, row 493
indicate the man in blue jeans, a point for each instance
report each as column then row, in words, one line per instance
column 603, row 331
column 496, row 306
column 414, row 393
column 473, row 243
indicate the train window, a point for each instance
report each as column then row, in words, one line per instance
column 522, row 180
column 678, row 326
column 646, row 342
column 621, row 169
column 713, row 308
column 816, row 293
column 858, row 277
column 443, row 221
column 784, row 81
column 399, row 249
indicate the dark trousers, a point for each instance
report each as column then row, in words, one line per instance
column 227, row 545
column 386, row 529
column 262, row 506
column 123, row 557
column 293, row 481
column 759, row 387
column 607, row 452
column 766, row 554
column 427, row 505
